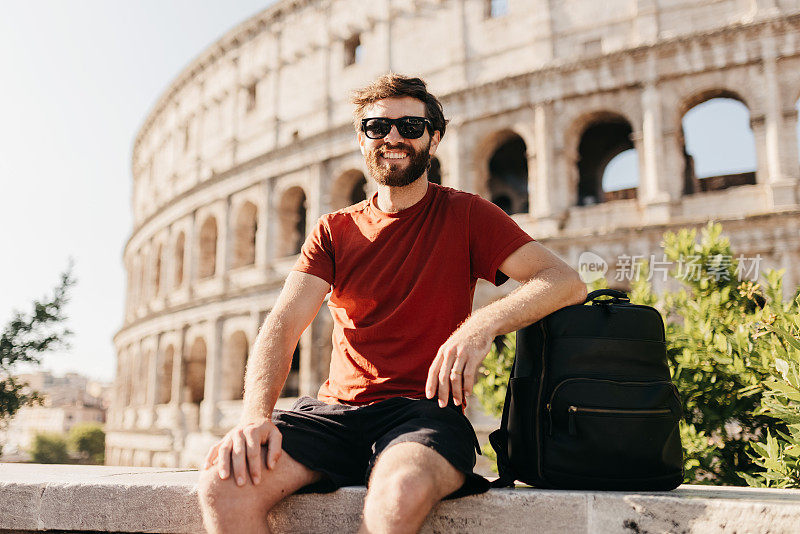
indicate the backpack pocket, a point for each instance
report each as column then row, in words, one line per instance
column 522, row 441
column 612, row 430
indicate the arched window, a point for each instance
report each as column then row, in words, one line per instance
column 347, row 189
column 244, row 249
column 292, row 213
column 180, row 251
column 195, row 371
column 605, row 140
column 235, row 361
column 508, row 175
column 621, row 175
column 208, row 248
column 718, row 145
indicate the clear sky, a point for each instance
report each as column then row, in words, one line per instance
column 78, row 78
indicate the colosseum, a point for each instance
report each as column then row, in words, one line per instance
column 253, row 141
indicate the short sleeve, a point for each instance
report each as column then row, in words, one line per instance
column 316, row 255
column 493, row 236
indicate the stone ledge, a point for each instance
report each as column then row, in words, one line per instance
column 125, row 499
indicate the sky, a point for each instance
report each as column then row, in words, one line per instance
column 78, row 79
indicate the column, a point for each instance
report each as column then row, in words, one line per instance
column 209, row 413
column 315, row 353
column 543, row 188
column 152, row 373
column 385, row 27
column 261, row 228
column 325, row 54
column 277, row 64
column 461, row 36
column 190, row 255
column 455, row 168
column 777, row 152
column 317, row 201
column 654, row 188
column 223, row 240
column 176, row 395
column 236, row 108
column 646, row 21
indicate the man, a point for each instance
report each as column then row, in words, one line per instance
column 401, row 267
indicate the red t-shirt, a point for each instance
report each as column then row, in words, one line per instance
column 401, row 284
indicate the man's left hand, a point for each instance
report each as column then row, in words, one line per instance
column 453, row 369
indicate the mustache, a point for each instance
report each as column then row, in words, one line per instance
column 398, row 146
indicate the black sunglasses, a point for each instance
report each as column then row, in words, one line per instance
column 408, row 127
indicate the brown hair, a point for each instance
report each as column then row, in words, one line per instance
column 393, row 85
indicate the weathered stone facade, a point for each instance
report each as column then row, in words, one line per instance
column 253, row 142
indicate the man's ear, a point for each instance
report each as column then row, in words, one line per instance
column 360, row 137
column 434, row 142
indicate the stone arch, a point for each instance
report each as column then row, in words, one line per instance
column 292, row 215
column 179, row 253
column 165, row 375
column 349, row 188
column 702, row 136
column 235, row 356
column 207, row 257
column 195, row 371
column 599, row 138
column 503, row 161
column 244, row 238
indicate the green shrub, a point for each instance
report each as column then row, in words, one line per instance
column 718, row 351
column 48, row 448
column 777, row 454
column 88, row 441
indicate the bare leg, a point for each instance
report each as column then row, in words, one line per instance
column 405, row 484
column 230, row 508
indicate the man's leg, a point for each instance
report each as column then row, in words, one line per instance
column 230, row 508
column 407, row 481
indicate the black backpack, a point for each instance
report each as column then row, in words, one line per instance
column 590, row 403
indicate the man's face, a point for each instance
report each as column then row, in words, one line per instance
column 394, row 160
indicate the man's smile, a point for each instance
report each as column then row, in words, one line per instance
column 394, row 154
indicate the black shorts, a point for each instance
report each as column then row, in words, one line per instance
column 343, row 442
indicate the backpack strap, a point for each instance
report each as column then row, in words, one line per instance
column 499, row 442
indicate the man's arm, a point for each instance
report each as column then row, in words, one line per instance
column 267, row 369
column 548, row 284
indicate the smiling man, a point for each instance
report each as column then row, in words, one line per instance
column 401, row 268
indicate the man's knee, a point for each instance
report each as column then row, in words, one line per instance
column 405, row 488
column 221, row 495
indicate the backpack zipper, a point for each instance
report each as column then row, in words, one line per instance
column 574, row 411
column 549, row 405
column 537, row 426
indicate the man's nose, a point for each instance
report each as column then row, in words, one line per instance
column 393, row 135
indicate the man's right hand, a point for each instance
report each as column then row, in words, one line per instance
column 240, row 451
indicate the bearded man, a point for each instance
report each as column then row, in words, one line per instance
column 401, row 268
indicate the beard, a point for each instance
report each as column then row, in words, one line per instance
column 389, row 172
